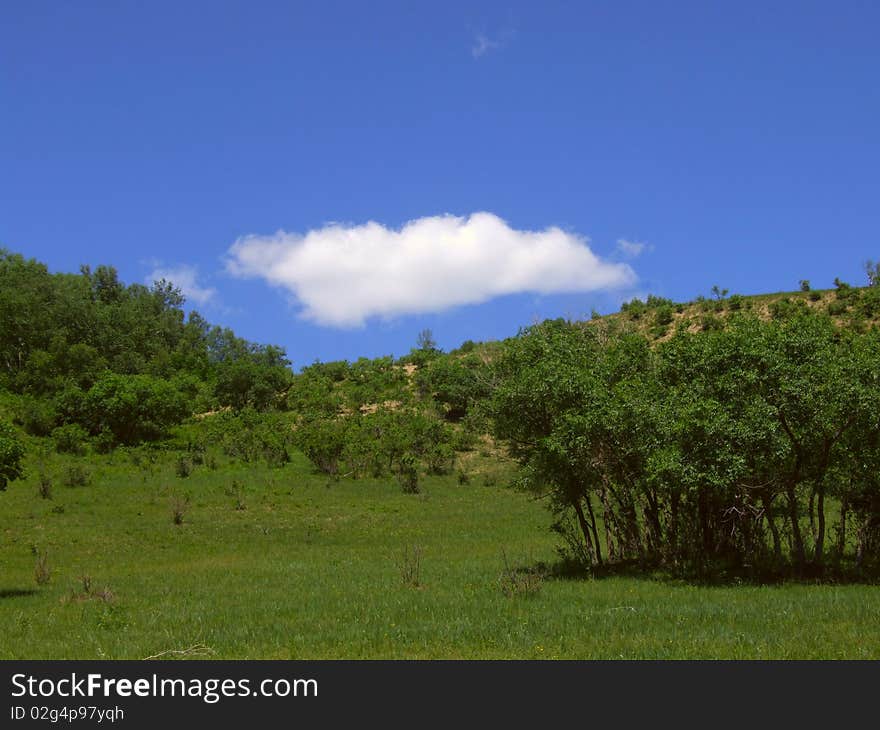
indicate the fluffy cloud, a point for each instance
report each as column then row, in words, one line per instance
column 344, row 274
column 631, row 249
column 185, row 278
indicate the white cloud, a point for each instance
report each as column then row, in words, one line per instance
column 344, row 274
column 185, row 278
column 631, row 249
column 483, row 44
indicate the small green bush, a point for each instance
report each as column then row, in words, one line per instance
column 71, row 438
column 663, row 314
column 836, row 308
column 183, row 467
column 76, row 475
column 11, row 455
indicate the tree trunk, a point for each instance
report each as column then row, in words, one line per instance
column 595, row 531
column 797, row 538
column 607, row 521
column 774, row 531
column 585, row 528
column 819, row 550
column 841, row 535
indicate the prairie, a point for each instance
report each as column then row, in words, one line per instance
column 286, row 563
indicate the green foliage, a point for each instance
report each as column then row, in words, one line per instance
column 253, row 382
column 711, row 323
column 11, row 455
column 737, row 302
column 710, row 450
column 323, row 441
column 455, row 383
column 663, row 314
column 636, row 308
column 785, row 308
column 76, row 475
column 71, row 438
column 836, row 308
column 38, row 416
column 133, row 408
column 249, row 436
column 70, row 342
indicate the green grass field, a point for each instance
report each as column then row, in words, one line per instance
column 312, row 569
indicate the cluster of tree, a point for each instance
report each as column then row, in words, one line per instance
column 750, row 441
column 92, row 356
column 398, row 441
column 729, row 448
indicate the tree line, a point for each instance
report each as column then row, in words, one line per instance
column 741, row 438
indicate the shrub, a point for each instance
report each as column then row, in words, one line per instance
column 38, row 416
column 323, row 441
column 407, row 474
column 836, row 308
column 786, row 308
column 76, row 475
column 11, row 455
column 736, row 302
column 663, row 314
column 183, row 467
column 44, row 486
column 410, row 566
column 237, row 491
column 133, row 408
column 42, row 571
column 634, row 308
column 179, row 507
column 519, row 581
column 439, row 458
column 71, row 438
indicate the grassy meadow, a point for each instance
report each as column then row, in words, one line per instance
column 284, row 563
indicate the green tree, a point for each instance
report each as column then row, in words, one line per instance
column 11, row 455
column 132, row 408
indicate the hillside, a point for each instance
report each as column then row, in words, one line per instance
column 173, row 490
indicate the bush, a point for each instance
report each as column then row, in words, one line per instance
column 44, row 486
column 70, row 438
column 634, row 308
column 133, row 408
column 407, row 473
column 786, row 308
column 42, row 571
column 410, row 566
column 663, row 314
column 519, row 581
column 38, row 416
column 323, row 441
column 736, row 303
column 11, row 455
column 179, row 507
column 76, row 475
column 836, row 308
column 183, row 467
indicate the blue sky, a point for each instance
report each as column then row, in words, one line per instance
column 738, row 142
